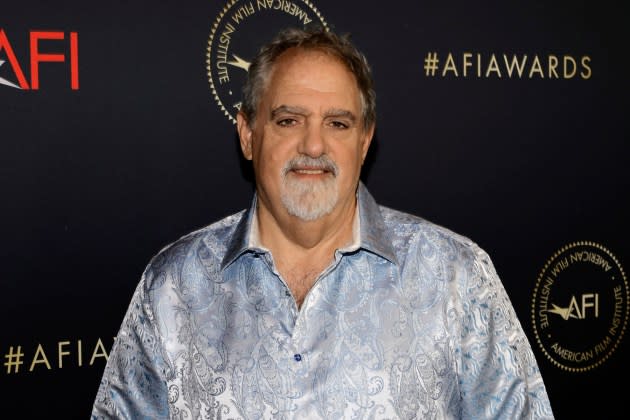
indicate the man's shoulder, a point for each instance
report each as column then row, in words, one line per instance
column 406, row 229
column 206, row 245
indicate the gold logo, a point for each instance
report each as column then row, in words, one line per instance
column 580, row 306
column 237, row 34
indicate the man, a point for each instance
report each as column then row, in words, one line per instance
column 316, row 302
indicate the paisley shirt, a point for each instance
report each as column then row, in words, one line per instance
column 408, row 322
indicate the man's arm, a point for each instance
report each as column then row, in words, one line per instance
column 133, row 384
column 499, row 375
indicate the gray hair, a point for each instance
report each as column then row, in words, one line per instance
column 318, row 39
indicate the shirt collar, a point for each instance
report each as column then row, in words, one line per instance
column 374, row 234
column 369, row 231
column 239, row 241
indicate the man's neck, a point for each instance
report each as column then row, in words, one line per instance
column 303, row 249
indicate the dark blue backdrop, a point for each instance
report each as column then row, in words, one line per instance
column 96, row 180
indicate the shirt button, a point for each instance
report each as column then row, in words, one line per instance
column 287, row 293
column 297, row 357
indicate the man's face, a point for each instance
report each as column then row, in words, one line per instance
column 308, row 141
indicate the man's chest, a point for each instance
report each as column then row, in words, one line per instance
column 358, row 348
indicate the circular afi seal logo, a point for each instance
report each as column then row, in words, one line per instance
column 580, row 306
column 237, row 34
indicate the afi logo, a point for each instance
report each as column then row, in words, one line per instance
column 38, row 57
column 578, row 310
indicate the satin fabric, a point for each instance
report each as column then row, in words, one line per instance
column 410, row 321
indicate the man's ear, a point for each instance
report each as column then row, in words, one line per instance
column 244, row 134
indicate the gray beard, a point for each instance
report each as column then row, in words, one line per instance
column 310, row 199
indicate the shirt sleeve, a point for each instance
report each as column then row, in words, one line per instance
column 499, row 375
column 133, row 385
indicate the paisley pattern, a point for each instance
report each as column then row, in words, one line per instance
column 413, row 323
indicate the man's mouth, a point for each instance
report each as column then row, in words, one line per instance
column 306, row 166
column 305, row 171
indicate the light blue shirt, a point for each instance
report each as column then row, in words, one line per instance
column 409, row 321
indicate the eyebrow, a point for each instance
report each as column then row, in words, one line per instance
column 340, row 113
column 298, row 110
column 287, row 109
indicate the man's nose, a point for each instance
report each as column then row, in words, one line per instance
column 313, row 142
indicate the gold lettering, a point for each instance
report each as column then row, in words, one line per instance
column 515, row 64
column 573, row 306
column 226, row 34
column 493, row 67
column 36, row 359
column 587, row 73
column 553, row 63
column 560, row 265
column 303, row 16
column 243, row 12
column 450, row 66
column 265, row 4
column 222, row 52
column 61, row 353
column 99, row 351
column 566, row 60
column 478, row 65
column 603, row 345
column 467, row 63
column 616, row 321
column 544, row 299
column 572, row 356
column 591, row 257
column 536, row 68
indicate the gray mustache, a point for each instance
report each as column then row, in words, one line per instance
column 323, row 162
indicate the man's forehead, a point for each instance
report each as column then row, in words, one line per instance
column 295, row 84
column 301, row 52
column 304, row 60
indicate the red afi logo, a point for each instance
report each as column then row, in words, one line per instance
column 38, row 57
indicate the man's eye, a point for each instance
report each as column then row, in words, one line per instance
column 339, row 124
column 286, row 122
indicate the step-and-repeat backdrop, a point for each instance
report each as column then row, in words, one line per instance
column 506, row 122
